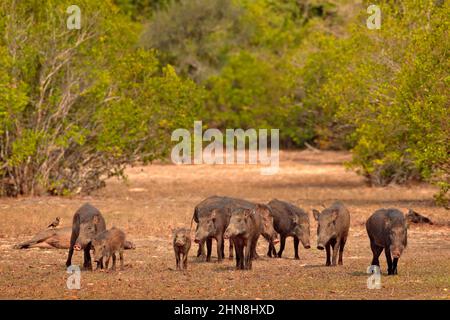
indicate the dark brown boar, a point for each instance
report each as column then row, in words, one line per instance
column 387, row 229
column 289, row 221
column 87, row 223
column 333, row 225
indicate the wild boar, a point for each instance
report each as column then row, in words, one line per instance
column 333, row 225
column 289, row 221
column 244, row 229
column 87, row 223
column 387, row 229
column 181, row 246
column 106, row 244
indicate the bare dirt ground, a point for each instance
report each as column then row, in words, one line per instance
column 159, row 197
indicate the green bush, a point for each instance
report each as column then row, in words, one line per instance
column 77, row 106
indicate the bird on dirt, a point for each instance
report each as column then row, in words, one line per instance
column 55, row 223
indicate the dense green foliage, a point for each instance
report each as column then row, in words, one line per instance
column 76, row 106
column 314, row 70
column 308, row 67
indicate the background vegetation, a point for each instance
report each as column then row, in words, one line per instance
column 78, row 106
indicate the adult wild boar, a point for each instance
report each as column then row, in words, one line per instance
column 333, row 225
column 87, row 223
column 289, row 221
column 387, row 229
column 244, row 229
column 57, row 238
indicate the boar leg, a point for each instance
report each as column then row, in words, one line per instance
column 114, row 261
column 201, row 250
column 336, row 244
column 239, row 248
column 208, row 249
column 238, row 257
column 223, row 247
column 387, row 251
column 272, row 251
column 254, row 243
column 177, row 257
column 241, row 256
column 107, row 261
column 376, row 250
column 394, row 266
column 328, row 249
column 87, row 265
column 121, row 259
column 296, row 242
column 282, row 244
column 220, row 248
column 73, row 239
column 231, row 250
column 248, row 255
column 269, row 251
column 185, row 258
column 341, row 251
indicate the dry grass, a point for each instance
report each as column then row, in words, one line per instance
column 159, row 197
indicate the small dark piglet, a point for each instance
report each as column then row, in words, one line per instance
column 106, row 244
column 181, row 246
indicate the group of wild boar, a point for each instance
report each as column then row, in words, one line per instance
column 242, row 222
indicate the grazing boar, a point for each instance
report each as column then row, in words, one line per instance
column 289, row 221
column 181, row 246
column 87, row 223
column 416, row 217
column 106, row 244
column 244, row 229
column 387, row 229
column 333, row 225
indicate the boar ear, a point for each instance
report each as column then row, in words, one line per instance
column 95, row 220
column 213, row 215
column 247, row 213
column 316, row 214
column 295, row 219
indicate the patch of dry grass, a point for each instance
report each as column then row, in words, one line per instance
column 159, row 197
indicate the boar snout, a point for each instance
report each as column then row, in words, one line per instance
column 77, row 246
column 179, row 243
